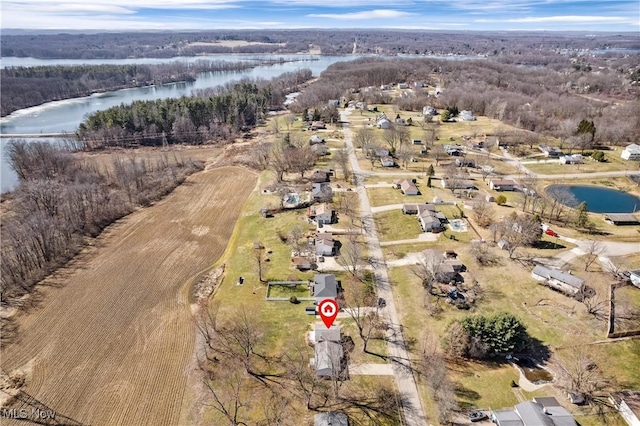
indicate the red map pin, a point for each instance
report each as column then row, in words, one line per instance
column 328, row 309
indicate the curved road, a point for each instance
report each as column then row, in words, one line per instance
column 412, row 406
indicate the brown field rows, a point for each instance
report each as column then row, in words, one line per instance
column 112, row 339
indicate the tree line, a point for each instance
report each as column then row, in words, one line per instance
column 219, row 113
column 23, row 87
column 330, row 41
column 61, row 201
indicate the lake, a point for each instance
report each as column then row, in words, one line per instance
column 598, row 199
column 66, row 115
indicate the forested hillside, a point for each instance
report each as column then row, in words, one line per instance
column 24, row 87
column 214, row 114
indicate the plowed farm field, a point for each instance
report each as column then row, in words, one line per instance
column 111, row 341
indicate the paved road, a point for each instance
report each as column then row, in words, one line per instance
column 413, row 411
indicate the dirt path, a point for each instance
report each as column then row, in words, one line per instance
column 113, row 336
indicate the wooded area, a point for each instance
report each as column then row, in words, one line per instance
column 23, row 87
column 61, row 200
column 329, row 42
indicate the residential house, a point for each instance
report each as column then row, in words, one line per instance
column 322, row 214
column 631, row 152
column 621, row 219
column 550, row 151
column 320, row 149
column 417, row 208
column 430, row 222
column 454, row 150
column 387, row 161
column 572, row 159
column 315, row 125
column 333, row 103
column 330, row 418
column 560, row 280
column 449, row 183
column 634, row 276
column 628, row 404
column 403, row 86
column 465, row 115
column 319, row 176
column 322, row 191
column 382, row 152
column 502, row 184
column 465, row 162
column 316, row 139
column 327, row 359
column 324, row 286
column 383, row 124
column 538, row 412
column 325, row 245
column 321, row 333
column 301, row 263
column 406, row 186
column 444, row 269
column 385, row 87
column 429, row 110
column 420, row 84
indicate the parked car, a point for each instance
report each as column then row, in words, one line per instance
column 551, row 232
column 477, row 416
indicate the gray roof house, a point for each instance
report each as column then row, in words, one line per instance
column 406, row 186
column 325, row 245
column 539, row 412
column 327, row 359
column 321, row 191
column 324, row 286
column 330, row 418
column 429, row 221
column 558, row 279
column 502, row 184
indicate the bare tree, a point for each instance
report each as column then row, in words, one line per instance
column 404, row 154
column 342, row 159
column 259, row 260
column 365, row 138
column 438, row 153
column 483, row 212
column 593, row 250
column 351, row 255
column 395, row 137
column 427, row 269
column 580, row 374
column 518, row 231
column 361, row 305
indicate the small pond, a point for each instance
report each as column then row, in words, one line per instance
column 598, row 199
column 533, row 372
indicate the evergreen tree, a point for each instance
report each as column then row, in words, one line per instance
column 582, row 215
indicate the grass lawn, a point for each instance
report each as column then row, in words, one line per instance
column 286, row 291
column 385, row 196
column 395, row 225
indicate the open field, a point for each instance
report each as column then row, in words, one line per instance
column 112, row 339
column 395, row 225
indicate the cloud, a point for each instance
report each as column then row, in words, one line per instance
column 342, row 3
column 371, row 14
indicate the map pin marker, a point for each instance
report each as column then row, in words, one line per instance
column 328, row 309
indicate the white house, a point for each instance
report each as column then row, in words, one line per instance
column 634, row 276
column 325, row 246
column 429, row 110
column 502, row 184
column 407, row 187
column 387, row 161
column 558, row 279
column 465, row 115
column 322, row 214
column 403, row 86
column 572, row 159
column 383, row 123
column 631, row 152
column 316, row 139
column 321, row 191
column 429, row 221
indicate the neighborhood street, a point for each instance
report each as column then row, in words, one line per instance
column 413, row 411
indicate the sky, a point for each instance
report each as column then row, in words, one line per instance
column 478, row 15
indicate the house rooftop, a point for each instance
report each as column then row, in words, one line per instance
column 626, row 218
column 321, row 333
column 559, row 275
column 325, row 285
